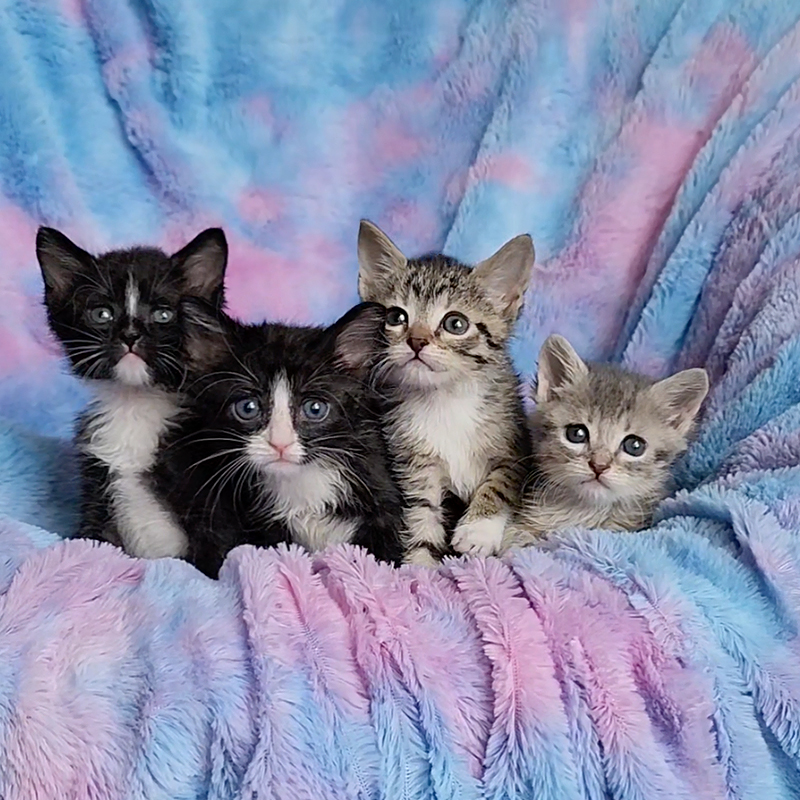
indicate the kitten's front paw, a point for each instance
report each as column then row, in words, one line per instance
column 480, row 537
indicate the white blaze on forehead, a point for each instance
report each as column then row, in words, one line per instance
column 131, row 296
column 280, row 430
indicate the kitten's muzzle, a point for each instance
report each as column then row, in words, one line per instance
column 599, row 467
column 129, row 338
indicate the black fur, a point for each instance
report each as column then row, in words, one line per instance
column 77, row 284
column 223, row 505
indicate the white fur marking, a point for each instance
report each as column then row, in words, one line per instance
column 304, row 498
column 262, row 447
column 280, row 431
column 480, row 537
column 454, row 426
column 132, row 370
column 124, row 432
column 131, row 296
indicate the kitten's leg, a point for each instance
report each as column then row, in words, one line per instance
column 97, row 520
column 425, row 537
column 480, row 531
column 523, row 530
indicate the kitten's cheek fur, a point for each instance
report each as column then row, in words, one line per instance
column 480, row 537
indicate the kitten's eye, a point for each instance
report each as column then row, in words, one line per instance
column 455, row 323
column 577, row 434
column 633, row 445
column 315, row 410
column 395, row 317
column 247, row 409
column 162, row 315
column 101, row 315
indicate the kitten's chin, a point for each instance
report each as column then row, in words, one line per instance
column 132, row 371
column 597, row 491
column 416, row 374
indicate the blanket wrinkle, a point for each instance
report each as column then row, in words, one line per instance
column 650, row 149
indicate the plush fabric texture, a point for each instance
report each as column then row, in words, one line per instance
column 652, row 149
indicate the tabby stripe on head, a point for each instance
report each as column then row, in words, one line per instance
column 488, row 336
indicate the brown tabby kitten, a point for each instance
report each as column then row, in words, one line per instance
column 604, row 440
column 456, row 424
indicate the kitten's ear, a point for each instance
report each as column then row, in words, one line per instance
column 681, row 395
column 359, row 336
column 559, row 365
column 59, row 259
column 204, row 335
column 203, row 262
column 506, row 274
column 378, row 259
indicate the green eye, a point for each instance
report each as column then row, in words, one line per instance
column 101, row 315
column 162, row 315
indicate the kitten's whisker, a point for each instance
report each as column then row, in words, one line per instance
column 218, row 454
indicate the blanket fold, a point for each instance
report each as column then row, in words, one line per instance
column 651, row 150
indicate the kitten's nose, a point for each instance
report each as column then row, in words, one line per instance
column 417, row 344
column 598, row 468
column 130, row 337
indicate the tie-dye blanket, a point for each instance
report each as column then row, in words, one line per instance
column 652, row 149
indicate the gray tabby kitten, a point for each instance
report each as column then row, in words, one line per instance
column 456, row 423
column 604, row 440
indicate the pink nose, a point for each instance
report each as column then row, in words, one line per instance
column 280, row 448
column 417, row 344
column 598, row 469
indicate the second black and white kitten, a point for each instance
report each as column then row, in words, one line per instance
column 118, row 318
column 283, row 442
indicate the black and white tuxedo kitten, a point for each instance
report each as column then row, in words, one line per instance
column 283, row 442
column 604, row 440
column 457, row 423
column 118, row 317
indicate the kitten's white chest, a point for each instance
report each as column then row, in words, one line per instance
column 127, row 424
column 305, row 499
column 451, row 427
column 124, row 431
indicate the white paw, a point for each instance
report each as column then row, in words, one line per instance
column 480, row 537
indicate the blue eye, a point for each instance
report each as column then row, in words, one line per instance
column 315, row 410
column 634, row 445
column 455, row 323
column 247, row 409
column 577, row 434
column 162, row 315
column 101, row 315
column 396, row 316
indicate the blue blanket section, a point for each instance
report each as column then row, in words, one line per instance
column 651, row 150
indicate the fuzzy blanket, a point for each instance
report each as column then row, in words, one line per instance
column 652, row 149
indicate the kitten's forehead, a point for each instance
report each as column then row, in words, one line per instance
column 145, row 271
column 262, row 353
column 613, row 393
column 436, row 283
column 614, row 403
